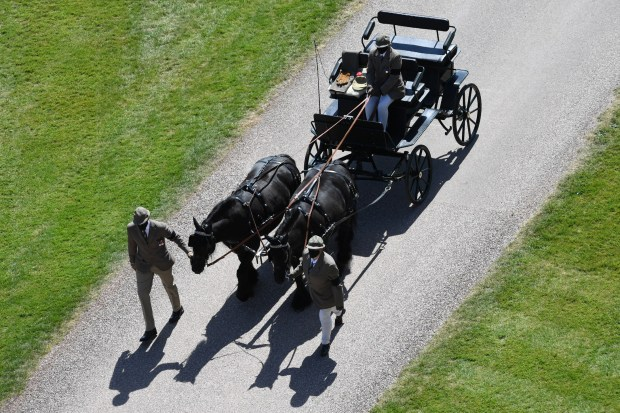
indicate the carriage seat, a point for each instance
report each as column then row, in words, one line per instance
column 422, row 50
column 425, row 51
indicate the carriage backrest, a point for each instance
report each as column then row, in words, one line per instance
column 409, row 69
column 413, row 21
column 352, row 62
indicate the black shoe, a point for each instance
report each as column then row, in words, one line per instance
column 176, row 315
column 324, row 350
column 339, row 321
column 149, row 335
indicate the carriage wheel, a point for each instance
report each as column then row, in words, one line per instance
column 419, row 174
column 316, row 153
column 467, row 113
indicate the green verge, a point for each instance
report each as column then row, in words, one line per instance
column 542, row 332
column 105, row 105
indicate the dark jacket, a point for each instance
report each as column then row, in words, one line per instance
column 143, row 253
column 323, row 280
column 384, row 74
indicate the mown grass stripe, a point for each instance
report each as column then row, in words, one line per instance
column 107, row 105
column 542, row 332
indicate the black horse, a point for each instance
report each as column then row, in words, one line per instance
column 257, row 204
column 321, row 207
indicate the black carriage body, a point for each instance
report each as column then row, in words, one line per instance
column 432, row 91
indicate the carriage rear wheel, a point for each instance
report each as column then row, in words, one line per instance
column 467, row 113
column 419, row 174
column 317, row 153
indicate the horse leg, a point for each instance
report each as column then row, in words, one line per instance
column 344, row 240
column 247, row 276
column 301, row 298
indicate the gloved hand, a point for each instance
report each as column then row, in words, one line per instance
column 190, row 255
column 376, row 92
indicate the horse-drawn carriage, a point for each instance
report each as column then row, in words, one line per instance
column 434, row 90
column 273, row 197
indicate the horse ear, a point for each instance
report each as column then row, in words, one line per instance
column 196, row 224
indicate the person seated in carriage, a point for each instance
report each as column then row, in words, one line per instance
column 384, row 79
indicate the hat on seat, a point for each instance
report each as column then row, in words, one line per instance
column 316, row 243
column 382, row 40
column 141, row 215
column 359, row 83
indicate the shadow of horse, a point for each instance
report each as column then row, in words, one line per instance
column 232, row 321
column 287, row 331
column 135, row 371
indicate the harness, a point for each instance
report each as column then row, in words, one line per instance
column 250, row 187
column 310, row 195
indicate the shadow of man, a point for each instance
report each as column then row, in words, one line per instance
column 234, row 319
column 288, row 329
column 312, row 378
column 135, row 371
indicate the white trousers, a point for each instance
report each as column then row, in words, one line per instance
column 383, row 102
column 325, row 316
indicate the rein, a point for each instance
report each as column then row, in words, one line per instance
column 295, row 198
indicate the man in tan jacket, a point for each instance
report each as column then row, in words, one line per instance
column 325, row 286
column 148, row 256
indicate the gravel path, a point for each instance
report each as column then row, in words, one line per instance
column 546, row 70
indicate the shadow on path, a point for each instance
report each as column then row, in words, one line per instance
column 312, row 378
column 394, row 214
column 135, row 371
column 232, row 321
column 287, row 331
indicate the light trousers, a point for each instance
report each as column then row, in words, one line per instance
column 145, row 283
column 325, row 316
column 383, row 102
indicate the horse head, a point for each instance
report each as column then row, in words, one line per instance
column 202, row 241
column 279, row 254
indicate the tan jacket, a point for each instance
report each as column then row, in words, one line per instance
column 322, row 290
column 385, row 73
column 143, row 253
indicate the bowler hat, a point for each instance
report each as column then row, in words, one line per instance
column 141, row 215
column 359, row 82
column 382, row 40
column 316, row 243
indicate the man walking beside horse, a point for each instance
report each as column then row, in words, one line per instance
column 325, row 287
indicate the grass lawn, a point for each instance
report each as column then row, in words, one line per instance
column 106, row 105
column 542, row 333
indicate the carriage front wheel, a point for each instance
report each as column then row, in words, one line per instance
column 466, row 117
column 419, row 174
column 317, row 153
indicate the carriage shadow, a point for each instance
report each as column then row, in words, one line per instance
column 135, row 371
column 394, row 214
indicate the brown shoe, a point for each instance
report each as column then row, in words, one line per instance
column 339, row 321
column 176, row 315
column 149, row 335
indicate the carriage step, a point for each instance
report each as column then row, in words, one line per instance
column 418, row 128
